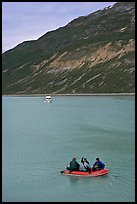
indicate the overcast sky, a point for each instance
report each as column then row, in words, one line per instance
column 23, row 21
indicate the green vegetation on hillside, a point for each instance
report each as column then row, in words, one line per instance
column 39, row 66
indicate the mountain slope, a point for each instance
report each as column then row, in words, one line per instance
column 91, row 54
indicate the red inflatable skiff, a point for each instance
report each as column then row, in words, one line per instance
column 101, row 172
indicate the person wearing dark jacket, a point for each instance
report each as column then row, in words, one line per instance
column 74, row 165
column 98, row 165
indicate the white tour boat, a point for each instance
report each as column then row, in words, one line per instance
column 48, row 98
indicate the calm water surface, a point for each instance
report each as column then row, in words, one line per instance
column 39, row 139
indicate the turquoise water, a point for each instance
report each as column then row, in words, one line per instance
column 39, row 139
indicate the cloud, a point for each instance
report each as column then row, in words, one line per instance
column 23, row 21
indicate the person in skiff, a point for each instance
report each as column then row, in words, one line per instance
column 85, row 166
column 74, row 165
column 98, row 165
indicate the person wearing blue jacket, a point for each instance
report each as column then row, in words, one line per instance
column 98, row 165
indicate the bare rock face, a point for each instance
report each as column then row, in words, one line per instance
column 92, row 54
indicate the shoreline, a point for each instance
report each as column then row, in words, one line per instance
column 79, row 94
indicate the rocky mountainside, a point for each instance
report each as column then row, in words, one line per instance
column 91, row 54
